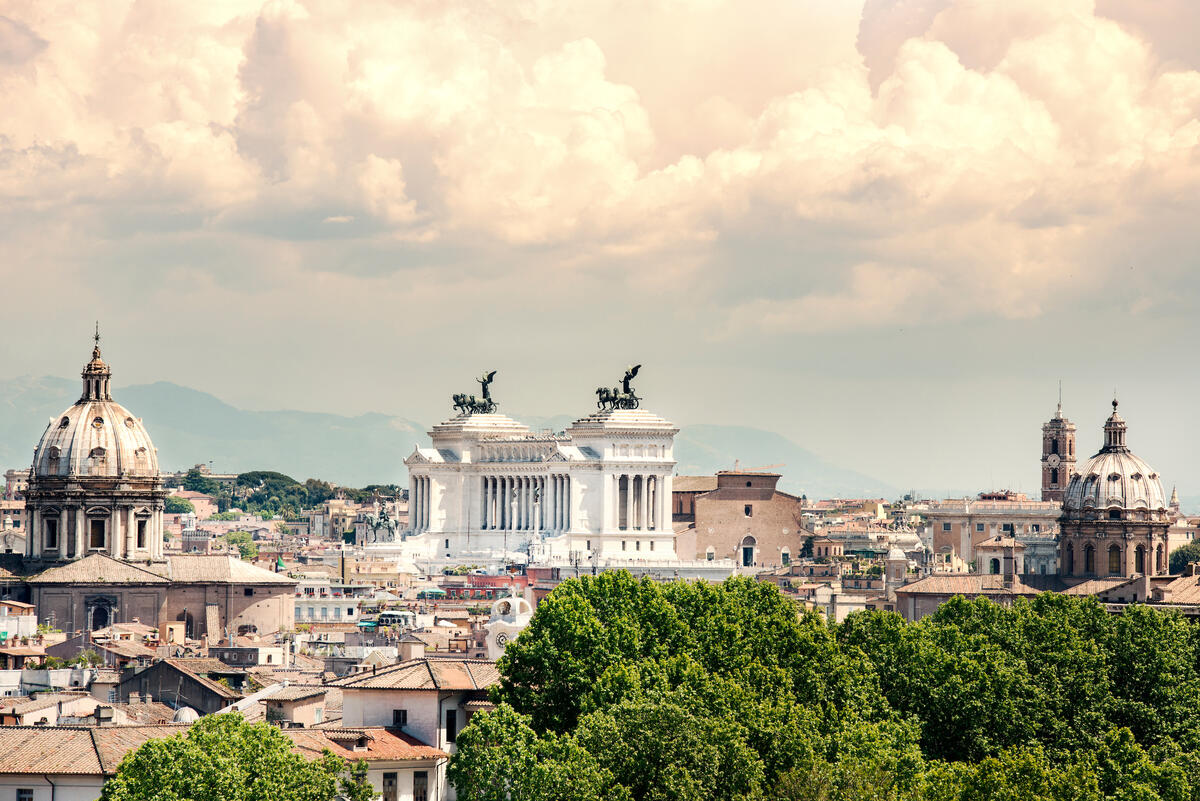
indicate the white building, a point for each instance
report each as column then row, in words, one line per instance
column 488, row 489
column 321, row 600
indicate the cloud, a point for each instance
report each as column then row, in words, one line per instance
column 934, row 157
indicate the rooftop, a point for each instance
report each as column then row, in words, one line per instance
column 429, row 673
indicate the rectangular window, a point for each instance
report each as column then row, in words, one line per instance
column 24, row 795
column 1037, row 527
column 50, row 527
column 141, row 533
column 1007, row 527
column 248, row 591
column 324, row 612
column 96, row 533
column 350, row 612
column 945, row 526
column 399, row 718
column 749, row 510
column 451, row 725
column 420, row 785
column 979, row 526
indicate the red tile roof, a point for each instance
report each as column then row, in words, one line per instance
column 74, row 750
column 427, row 674
column 382, row 744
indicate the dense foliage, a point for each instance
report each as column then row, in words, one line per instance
column 1182, row 556
column 223, row 758
column 632, row 690
column 174, row 505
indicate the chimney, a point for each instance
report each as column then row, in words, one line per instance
column 135, row 698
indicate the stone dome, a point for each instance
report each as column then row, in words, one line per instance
column 1114, row 479
column 97, row 436
column 185, row 714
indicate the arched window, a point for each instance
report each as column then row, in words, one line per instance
column 1089, row 560
column 1069, row 557
column 994, row 567
column 1139, row 560
column 1054, row 475
column 1114, row 560
column 710, row 554
column 785, row 557
column 1054, row 446
column 1160, row 564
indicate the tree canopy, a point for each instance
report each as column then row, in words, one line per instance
column 632, row 690
column 174, row 505
column 1184, row 555
column 223, row 758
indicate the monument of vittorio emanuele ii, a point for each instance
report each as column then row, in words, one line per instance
column 488, row 489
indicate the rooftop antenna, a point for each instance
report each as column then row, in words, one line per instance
column 97, row 336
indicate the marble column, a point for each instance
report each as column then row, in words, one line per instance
column 130, row 533
column 80, row 545
column 114, row 534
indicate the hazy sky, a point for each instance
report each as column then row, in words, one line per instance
column 885, row 231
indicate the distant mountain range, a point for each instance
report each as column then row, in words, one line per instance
column 190, row 426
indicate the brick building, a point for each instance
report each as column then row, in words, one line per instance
column 743, row 518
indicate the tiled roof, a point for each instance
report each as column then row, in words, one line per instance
column 427, row 674
column 98, row 568
column 693, row 483
column 73, row 750
column 382, row 744
column 21, row 705
column 1096, row 585
column 198, row 668
column 220, row 569
column 966, row 585
column 295, row 693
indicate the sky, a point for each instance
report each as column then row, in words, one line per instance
column 887, row 230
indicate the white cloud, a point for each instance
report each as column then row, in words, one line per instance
column 966, row 159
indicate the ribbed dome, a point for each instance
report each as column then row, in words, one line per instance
column 1115, row 478
column 97, row 436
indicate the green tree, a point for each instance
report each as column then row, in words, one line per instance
column 174, row 505
column 500, row 757
column 195, row 481
column 247, row 548
column 1184, row 555
column 223, row 758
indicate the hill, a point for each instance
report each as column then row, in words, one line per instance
column 190, row 426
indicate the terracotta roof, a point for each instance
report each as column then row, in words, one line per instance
column 74, row 750
column 966, row 585
column 427, row 674
column 98, row 568
column 1096, row 585
column 198, row 668
column 145, row 713
column 220, row 569
column 382, row 744
column 693, row 483
column 23, row 704
column 295, row 693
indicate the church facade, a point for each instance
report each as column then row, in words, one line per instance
column 1115, row 516
column 95, row 487
column 94, row 552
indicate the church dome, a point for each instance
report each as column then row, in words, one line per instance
column 97, row 436
column 1114, row 479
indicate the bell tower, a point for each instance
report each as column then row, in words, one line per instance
column 1058, row 455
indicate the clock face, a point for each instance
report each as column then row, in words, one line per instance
column 501, row 639
column 1052, row 460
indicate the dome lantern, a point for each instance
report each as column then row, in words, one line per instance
column 96, row 375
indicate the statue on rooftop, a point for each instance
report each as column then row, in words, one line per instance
column 622, row 397
column 469, row 404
